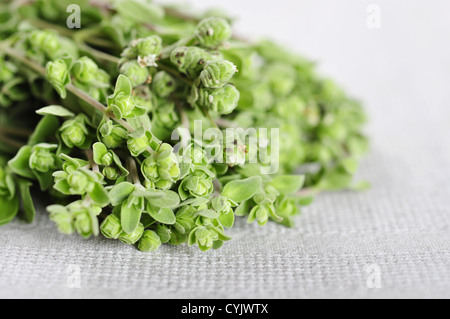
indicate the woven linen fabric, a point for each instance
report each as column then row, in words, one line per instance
column 392, row 241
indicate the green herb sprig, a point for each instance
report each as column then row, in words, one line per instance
column 95, row 119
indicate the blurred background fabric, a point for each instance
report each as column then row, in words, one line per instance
column 392, row 241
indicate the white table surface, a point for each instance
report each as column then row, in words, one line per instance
column 402, row 73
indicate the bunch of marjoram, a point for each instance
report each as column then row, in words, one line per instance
column 151, row 126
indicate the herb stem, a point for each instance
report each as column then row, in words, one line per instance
column 41, row 24
column 74, row 90
column 11, row 142
column 15, row 131
column 209, row 117
column 81, row 37
column 184, row 117
column 132, row 167
column 224, row 123
column 100, row 43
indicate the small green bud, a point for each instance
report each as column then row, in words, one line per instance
column 85, row 70
column 144, row 97
column 282, row 78
column 42, row 158
column 101, row 155
column 79, row 183
column 74, row 132
column 190, row 60
column 163, row 84
column 111, row 227
column 217, row 74
column 165, row 119
column 336, row 130
column 107, row 159
column 83, row 223
column 111, row 173
column 7, row 186
column 260, row 213
column 134, row 237
column 7, row 70
column 212, row 32
column 286, row 209
column 72, row 164
column 199, row 184
column 62, row 218
column 45, row 41
column 122, row 103
column 148, row 46
column 113, row 135
column 150, row 169
column 58, row 76
column 223, row 100
column 150, row 241
column 163, row 170
column 163, row 233
column 221, row 204
column 205, row 236
column 138, row 145
column 235, row 150
column 135, row 72
column 146, row 50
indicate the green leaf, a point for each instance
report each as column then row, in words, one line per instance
column 45, row 179
column 162, row 215
column 350, row 165
column 242, row 190
column 306, row 201
column 46, row 128
column 100, row 150
column 217, row 244
column 227, row 220
column 20, row 164
column 222, row 236
column 8, row 209
column 335, row 179
column 208, row 213
column 191, row 238
column 55, row 110
column 243, row 209
column 130, row 217
column 123, row 85
column 142, row 11
column 195, row 202
column 120, row 193
column 288, row 184
column 100, row 196
column 147, row 220
column 149, row 194
column 170, row 200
